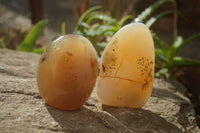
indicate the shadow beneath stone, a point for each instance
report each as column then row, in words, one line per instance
column 140, row 120
column 81, row 120
column 110, row 119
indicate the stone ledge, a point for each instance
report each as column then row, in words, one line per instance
column 23, row 110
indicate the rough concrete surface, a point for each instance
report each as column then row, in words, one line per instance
column 23, row 110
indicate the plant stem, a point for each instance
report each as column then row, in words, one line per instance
column 129, row 9
column 84, row 4
column 175, row 20
column 74, row 9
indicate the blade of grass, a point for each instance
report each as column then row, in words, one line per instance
column 178, row 41
column 39, row 51
column 164, row 72
column 2, row 45
column 152, row 20
column 101, row 16
column 100, row 47
column 159, row 54
column 28, row 43
column 85, row 15
column 163, row 46
column 63, row 28
column 148, row 11
column 100, row 31
column 185, row 62
column 178, row 47
column 124, row 19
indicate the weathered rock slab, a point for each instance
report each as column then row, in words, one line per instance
column 23, row 110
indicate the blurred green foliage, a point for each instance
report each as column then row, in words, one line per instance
column 28, row 43
column 98, row 26
column 2, row 45
column 166, row 57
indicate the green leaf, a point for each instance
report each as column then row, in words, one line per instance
column 100, row 31
column 63, row 29
column 178, row 41
column 28, row 43
column 82, row 31
column 83, row 18
column 157, row 75
column 89, row 11
column 2, row 45
column 164, row 72
column 85, row 25
column 148, row 11
column 100, row 47
column 185, row 62
column 152, row 20
column 163, row 46
column 97, row 32
column 124, row 19
column 178, row 46
column 39, row 51
column 54, row 38
column 160, row 54
column 101, row 16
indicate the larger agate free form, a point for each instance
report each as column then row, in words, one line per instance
column 127, row 68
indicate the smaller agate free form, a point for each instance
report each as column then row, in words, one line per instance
column 67, row 72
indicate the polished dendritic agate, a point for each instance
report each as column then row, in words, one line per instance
column 127, row 68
